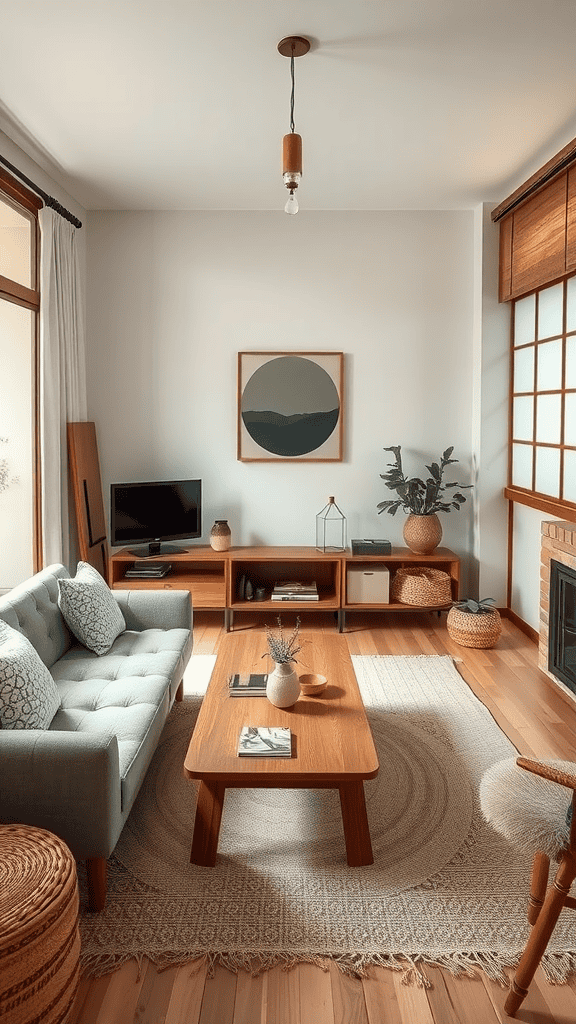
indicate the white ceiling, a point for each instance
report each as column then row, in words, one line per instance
column 182, row 104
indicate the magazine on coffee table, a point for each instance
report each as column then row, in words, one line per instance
column 261, row 741
column 251, row 684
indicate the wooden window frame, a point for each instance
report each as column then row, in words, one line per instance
column 550, row 505
column 20, row 196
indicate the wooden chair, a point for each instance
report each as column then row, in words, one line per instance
column 530, row 810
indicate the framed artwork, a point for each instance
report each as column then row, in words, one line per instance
column 290, row 406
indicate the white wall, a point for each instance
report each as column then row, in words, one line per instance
column 173, row 297
column 490, row 412
column 525, row 599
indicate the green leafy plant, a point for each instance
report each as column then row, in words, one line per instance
column 482, row 607
column 420, row 497
column 283, row 649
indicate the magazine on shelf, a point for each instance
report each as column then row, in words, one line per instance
column 261, row 741
column 152, row 572
column 295, row 591
column 295, row 585
column 248, row 685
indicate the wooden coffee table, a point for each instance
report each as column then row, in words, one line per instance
column 332, row 745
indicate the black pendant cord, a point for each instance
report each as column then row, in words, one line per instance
column 292, row 94
column 48, row 200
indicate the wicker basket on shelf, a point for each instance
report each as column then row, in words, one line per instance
column 419, row 585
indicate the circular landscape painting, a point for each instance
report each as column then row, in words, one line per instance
column 290, row 406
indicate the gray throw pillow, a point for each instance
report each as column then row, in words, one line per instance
column 89, row 608
column 29, row 697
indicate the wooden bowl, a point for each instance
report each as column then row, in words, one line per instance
column 311, row 685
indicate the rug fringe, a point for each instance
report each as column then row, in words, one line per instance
column 557, row 967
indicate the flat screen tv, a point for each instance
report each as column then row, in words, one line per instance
column 151, row 513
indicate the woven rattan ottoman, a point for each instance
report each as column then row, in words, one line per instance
column 39, row 937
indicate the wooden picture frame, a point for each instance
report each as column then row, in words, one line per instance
column 290, row 406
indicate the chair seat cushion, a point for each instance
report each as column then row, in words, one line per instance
column 526, row 809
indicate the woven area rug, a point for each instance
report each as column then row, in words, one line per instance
column 444, row 888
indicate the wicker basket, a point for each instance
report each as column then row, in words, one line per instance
column 419, row 585
column 474, row 630
column 39, row 938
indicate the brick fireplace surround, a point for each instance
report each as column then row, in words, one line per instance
column 559, row 543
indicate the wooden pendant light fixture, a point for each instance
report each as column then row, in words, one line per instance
column 292, row 46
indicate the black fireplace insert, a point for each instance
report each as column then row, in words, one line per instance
column 562, row 624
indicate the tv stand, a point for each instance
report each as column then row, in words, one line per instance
column 216, row 579
column 156, row 548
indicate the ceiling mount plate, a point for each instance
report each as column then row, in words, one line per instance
column 293, row 46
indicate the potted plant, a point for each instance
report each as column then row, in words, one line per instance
column 283, row 686
column 421, row 500
column 474, row 623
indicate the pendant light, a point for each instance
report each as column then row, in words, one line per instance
column 292, row 46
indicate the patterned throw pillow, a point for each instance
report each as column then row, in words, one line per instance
column 29, row 697
column 90, row 611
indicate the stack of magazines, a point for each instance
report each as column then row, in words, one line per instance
column 145, row 570
column 295, row 591
column 252, row 685
column 260, row 741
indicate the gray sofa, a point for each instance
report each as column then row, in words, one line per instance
column 80, row 777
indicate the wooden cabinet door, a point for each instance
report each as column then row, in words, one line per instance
column 539, row 238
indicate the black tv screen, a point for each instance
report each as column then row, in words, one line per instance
column 150, row 513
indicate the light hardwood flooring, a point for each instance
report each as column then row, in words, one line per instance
column 536, row 717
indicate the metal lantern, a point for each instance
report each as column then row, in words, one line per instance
column 331, row 528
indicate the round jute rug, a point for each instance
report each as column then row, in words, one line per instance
column 420, row 809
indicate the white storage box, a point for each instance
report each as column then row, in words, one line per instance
column 368, row 584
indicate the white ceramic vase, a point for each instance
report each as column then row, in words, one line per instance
column 283, row 686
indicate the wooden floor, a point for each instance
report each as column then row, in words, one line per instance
column 537, row 719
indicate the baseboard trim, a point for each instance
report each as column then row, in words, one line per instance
column 507, row 613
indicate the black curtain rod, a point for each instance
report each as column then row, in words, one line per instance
column 49, row 200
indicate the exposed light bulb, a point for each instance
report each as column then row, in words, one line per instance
column 291, row 204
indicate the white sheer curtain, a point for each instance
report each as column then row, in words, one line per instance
column 62, row 374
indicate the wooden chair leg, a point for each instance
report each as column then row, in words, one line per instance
column 538, row 885
column 541, row 932
column 96, row 868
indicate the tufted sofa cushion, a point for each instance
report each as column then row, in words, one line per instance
column 36, row 614
column 79, row 777
column 98, row 694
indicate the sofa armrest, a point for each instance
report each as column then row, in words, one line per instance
column 155, row 609
column 66, row 782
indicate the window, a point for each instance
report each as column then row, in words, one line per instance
column 20, row 548
column 542, row 468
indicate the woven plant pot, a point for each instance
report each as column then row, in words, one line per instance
column 419, row 585
column 39, row 938
column 422, row 533
column 474, row 630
